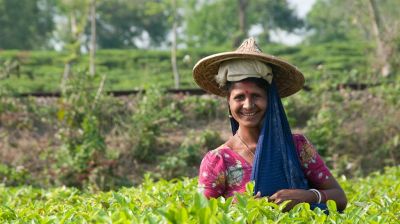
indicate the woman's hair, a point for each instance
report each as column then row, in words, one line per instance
column 262, row 83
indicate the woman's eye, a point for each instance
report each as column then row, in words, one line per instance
column 239, row 97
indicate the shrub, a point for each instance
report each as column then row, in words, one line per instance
column 356, row 131
column 11, row 176
column 186, row 160
column 154, row 113
column 203, row 108
column 82, row 143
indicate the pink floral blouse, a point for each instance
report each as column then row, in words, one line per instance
column 224, row 172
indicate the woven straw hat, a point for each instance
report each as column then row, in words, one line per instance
column 287, row 77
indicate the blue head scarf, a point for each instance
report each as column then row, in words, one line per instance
column 276, row 164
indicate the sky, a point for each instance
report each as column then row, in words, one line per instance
column 302, row 6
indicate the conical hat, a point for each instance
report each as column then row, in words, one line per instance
column 287, row 77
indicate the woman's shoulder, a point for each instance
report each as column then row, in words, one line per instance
column 215, row 161
column 304, row 147
column 219, row 153
column 305, row 150
column 299, row 138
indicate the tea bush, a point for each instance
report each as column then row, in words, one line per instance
column 374, row 199
column 154, row 113
column 185, row 160
column 205, row 108
column 355, row 131
column 14, row 176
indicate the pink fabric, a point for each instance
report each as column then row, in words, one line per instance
column 224, row 172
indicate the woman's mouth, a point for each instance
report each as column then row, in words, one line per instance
column 249, row 114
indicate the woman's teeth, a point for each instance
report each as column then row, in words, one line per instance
column 249, row 114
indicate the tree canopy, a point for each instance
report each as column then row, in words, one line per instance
column 25, row 24
column 36, row 24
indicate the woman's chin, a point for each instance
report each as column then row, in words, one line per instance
column 250, row 123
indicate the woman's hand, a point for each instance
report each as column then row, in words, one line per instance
column 294, row 195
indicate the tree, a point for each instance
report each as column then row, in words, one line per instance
column 77, row 13
column 332, row 21
column 228, row 22
column 274, row 14
column 210, row 23
column 92, row 48
column 122, row 23
column 359, row 20
column 25, row 24
column 174, row 17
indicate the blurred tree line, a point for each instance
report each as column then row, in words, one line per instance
column 38, row 24
column 46, row 24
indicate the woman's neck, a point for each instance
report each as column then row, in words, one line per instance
column 249, row 135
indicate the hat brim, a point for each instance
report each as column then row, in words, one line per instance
column 287, row 77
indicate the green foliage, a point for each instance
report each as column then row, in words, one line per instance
column 205, row 21
column 185, row 160
column 153, row 113
column 11, row 176
column 203, row 108
column 26, row 24
column 354, row 128
column 324, row 65
column 374, row 199
column 272, row 15
column 83, row 145
column 207, row 18
column 126, row 70
column 332, row 21
column 121, row 22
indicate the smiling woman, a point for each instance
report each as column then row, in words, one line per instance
column 284, row 166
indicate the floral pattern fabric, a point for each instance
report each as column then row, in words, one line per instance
column 224, row 172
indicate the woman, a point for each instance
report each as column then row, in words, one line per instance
column 284, row 166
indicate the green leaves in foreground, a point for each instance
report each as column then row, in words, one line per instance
column 374, row 199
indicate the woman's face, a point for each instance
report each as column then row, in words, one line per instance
column 248, row 103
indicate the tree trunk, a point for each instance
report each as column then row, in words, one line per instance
column 67, row 70
column 382, row 51
column 174, row 46
column 92, row 68
column 242, row 6
column 68, row 64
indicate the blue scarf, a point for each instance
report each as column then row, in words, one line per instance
column 276, row 164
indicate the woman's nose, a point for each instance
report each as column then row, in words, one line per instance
column 248, row 104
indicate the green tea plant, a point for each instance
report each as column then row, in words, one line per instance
column 186, row 159
column 374, row 199
column 353, row 129
column 11, row 176
column 153, row 113
column 203, row 107
column 83, row 144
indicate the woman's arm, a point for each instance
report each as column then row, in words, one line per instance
column 329, row 189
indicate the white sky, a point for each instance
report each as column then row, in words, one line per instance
column 302, row 6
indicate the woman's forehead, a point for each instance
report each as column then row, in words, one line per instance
column 246, row 85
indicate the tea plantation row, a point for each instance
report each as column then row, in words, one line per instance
column 374, row 199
